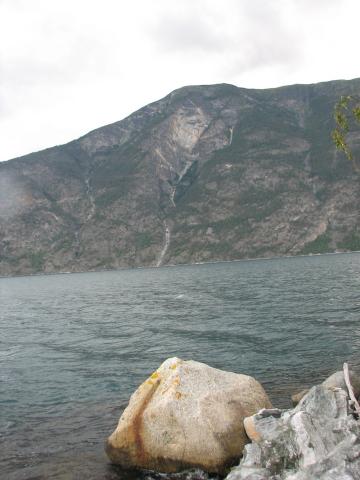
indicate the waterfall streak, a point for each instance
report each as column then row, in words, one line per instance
column 90, row 197
column 166, row 245
column 231, row 135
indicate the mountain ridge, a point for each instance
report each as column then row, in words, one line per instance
column 267, row 89
column 214, row 172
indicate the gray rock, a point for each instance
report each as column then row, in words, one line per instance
column 251, row 423
column 319, row 439
column 336, row 380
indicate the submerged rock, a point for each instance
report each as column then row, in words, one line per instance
column 298, row 396
column 319, row 439
column 336, row 380
column 186, row 415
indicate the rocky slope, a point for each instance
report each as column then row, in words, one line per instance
column 207, row 173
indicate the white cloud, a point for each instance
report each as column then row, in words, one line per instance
column 68, row 66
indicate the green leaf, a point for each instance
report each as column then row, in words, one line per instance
column 344, row 118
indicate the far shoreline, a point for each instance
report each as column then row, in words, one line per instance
column 153, row 267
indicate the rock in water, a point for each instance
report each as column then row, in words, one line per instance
column 185, row 415
column 317, row 440
column 298, row 396
column 336, row 380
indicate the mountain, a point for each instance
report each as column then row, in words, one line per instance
column 207, row 173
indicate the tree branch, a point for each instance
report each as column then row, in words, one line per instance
column 350, row 389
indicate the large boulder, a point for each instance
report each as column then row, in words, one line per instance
column 317, row 440
column 186, row 415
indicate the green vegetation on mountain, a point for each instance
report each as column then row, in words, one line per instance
column 320, row 245
column 351, row 242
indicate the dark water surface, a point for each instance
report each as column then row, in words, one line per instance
column 74, row 347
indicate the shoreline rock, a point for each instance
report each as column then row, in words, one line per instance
column 318, row 439
column 336, row 380
column 186, row 415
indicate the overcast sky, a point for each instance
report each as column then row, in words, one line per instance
column 69, row 66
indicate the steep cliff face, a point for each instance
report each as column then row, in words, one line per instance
column 207, row 173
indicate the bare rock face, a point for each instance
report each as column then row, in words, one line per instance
column 185, row 415
column 319, row 439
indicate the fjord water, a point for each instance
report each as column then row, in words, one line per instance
column 74, row 347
